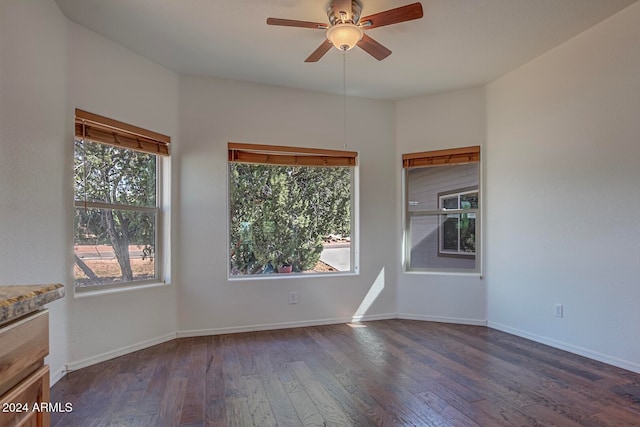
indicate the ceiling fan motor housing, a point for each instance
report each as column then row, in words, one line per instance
column 342, row 11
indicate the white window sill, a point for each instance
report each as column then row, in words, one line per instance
column 117, row 290
column 443, row 273
column 287, row 276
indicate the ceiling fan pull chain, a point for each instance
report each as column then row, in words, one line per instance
column 344, row 95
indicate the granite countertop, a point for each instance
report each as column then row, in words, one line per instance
column 18, row 300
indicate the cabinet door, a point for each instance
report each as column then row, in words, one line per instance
column 22, row 406
column 23, row 346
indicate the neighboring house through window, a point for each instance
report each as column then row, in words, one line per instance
column 442, row 210
column 458, row 230
column 117, row 193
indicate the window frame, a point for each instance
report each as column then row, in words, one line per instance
column 437, row 158
column 124, row 136
column 276, row 155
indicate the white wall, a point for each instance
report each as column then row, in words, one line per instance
column 34, row 231
column 562, row 174
column 214, row 112
column 448, row 120
column 107, row 79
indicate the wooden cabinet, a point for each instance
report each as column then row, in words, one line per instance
column 24, row 378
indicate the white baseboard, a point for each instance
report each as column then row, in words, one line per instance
column 57, row 376
column 284, row 325
column 73, row 366
column 600, row 357
column 443, row 319
column 371, row 317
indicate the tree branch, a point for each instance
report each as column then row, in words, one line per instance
column 86, row 270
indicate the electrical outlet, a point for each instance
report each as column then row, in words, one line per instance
column 559, row 310
column 293, row 297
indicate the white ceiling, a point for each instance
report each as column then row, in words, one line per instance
column 458, row 43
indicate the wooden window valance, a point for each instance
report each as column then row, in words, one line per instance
column 112, row 132
column 289, row 156
column 454, row 156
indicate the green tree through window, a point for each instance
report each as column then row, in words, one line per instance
column 280, row 215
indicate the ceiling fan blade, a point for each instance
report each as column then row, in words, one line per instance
column 373, row 48
column 393, row 16
column 319, row 52
column 295, row 23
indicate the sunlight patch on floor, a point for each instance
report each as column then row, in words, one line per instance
column 356, row 325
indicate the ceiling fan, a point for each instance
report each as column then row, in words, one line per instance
column 346, row 28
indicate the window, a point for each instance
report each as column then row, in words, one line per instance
column 117, row 203
column 291, row 210
column 442, row 210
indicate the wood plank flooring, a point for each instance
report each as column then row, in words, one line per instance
column 382, row 373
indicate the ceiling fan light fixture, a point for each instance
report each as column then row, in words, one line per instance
column 344, row 36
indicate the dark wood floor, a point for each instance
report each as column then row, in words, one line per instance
column 385, row 373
